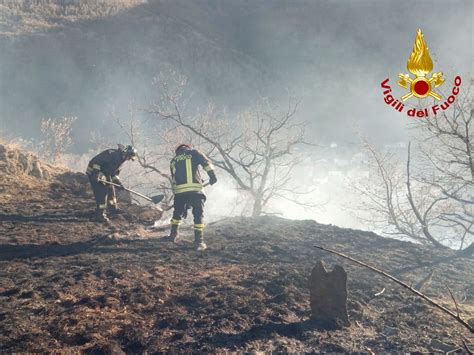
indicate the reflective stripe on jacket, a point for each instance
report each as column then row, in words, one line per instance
column 108, row 163
column 185, row 170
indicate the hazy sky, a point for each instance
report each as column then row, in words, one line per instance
column 369, row 41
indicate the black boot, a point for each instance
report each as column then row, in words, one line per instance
column 199, row 240
column 173, row 233
column 113, row 210
column 100, row 216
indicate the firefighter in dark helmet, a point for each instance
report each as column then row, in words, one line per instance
column 188, row 190
column 106, row 167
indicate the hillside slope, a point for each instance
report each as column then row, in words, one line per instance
column 28, row 16
column 88, row 58
column 83, row 68
column 72, row 285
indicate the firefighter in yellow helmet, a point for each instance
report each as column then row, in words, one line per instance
column 106, row 167
column 188, row 190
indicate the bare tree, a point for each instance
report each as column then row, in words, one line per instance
column 258, row 149
column 57, row 137
column 431, row 201
column 383, row 196
column 446, row 143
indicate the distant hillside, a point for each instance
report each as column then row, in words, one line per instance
column 28, row 16
column 87, row 67
column 83, row 58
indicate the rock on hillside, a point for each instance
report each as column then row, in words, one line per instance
column 15, row 162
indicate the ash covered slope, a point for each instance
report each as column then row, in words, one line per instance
column 41, row 203
column 66, row 285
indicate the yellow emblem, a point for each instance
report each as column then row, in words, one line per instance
column 420, row 64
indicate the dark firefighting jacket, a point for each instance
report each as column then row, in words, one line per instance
column 107, row 163
column 185, row 173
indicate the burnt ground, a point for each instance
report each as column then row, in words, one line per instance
column 69, row 284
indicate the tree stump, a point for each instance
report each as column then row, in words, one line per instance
column 328, row 294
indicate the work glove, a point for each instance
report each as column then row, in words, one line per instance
column 116, row 180
column 101, row 179
column 212, row 179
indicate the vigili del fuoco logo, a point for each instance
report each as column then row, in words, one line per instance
column 422, row 85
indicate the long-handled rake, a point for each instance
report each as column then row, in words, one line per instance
column 155, row 199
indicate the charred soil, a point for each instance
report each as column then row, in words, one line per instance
column 69, row 284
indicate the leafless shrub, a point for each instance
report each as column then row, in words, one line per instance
column 56, row 137
column 430, row 200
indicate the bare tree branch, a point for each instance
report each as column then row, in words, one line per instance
column 257, row 150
